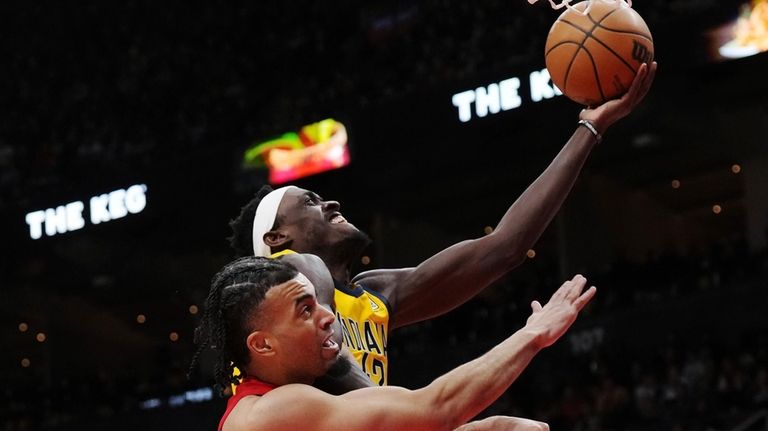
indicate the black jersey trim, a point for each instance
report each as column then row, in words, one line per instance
column 351, row 290
column 357, row 290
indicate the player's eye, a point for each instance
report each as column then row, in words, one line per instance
column 306, row 310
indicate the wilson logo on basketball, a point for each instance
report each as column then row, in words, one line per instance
column 593, row 49
column 640, row 52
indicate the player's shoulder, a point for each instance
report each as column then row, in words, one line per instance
column 308, row 264
column 292, row 256
column 277, row 409
column 315, row 270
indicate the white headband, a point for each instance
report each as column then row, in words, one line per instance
column 266, row 213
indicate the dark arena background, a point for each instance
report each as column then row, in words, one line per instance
column 122, row 140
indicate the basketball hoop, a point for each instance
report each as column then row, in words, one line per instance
column 567, row 3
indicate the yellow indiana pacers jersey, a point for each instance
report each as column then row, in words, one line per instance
column 364, row 319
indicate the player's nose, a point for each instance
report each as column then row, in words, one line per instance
column 329, row 206
column 326, row 318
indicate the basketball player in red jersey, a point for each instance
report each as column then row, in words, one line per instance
column 372, row 303
column 343, row 377
column 263, row 317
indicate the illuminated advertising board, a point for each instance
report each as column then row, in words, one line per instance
column 101, row 208
column 746, row 36
column 315, row 148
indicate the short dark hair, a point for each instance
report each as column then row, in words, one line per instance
column 236, row 291
column 241, row 240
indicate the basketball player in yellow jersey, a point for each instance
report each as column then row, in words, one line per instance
column 295, row 219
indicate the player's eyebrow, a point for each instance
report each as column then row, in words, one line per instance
column 302, row 298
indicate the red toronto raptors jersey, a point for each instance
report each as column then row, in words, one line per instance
column 249, row 386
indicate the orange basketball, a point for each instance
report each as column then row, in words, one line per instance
column 594, row 57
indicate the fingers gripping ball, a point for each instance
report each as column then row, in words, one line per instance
column 594, row 57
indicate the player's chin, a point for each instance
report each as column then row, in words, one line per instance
column 345, row 227
column 339, row 367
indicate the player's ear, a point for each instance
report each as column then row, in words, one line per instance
column 276, row 238
column 261, row 343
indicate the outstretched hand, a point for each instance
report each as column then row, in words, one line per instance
column 605, row 115
column 549, row 322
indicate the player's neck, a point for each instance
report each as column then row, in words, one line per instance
column 339, row 271
column 340, row 256
column 278, row 377
column 341, row 274
column 338, row 267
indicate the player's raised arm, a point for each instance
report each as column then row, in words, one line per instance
column 446, row 404
column 458, row 273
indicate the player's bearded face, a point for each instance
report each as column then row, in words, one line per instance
column 318, row 226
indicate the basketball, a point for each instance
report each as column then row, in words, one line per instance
column 593, row 57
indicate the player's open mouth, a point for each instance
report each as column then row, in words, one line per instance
column 337, row 218
column 331, row 347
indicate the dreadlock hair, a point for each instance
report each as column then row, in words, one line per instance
column 236, row 291
column 241, row 240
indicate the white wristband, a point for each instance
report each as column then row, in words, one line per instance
column 591, row 127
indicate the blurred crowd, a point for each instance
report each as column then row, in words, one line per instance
column 113, row 86
column 110, row 86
